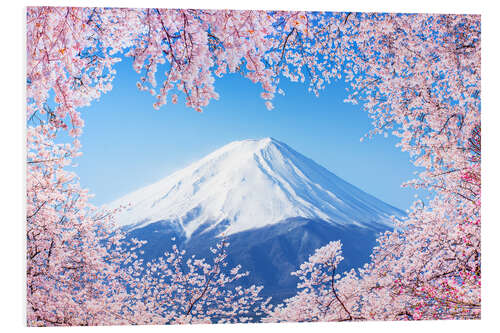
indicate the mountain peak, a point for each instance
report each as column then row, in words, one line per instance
column 251, row 144
column 268, row 140
column 240, row 152
column 250, row 184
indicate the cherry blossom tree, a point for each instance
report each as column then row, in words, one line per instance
column 176, row 290
column 73, row 264
column 321, row 297
column 418, row 77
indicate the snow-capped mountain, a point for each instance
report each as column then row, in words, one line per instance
column 273, row 205
column 248, row 185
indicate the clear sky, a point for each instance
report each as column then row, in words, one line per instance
column 127, row 144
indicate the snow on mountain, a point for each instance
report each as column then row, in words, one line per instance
column 250, row 184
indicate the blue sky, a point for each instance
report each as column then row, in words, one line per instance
column 127, row 144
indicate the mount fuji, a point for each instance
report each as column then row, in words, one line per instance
column 274, row 205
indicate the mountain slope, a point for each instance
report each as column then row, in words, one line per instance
column 247, row 185
column 269, row 253
column 272, row 204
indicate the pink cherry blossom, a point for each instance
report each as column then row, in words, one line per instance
column 416, row 75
